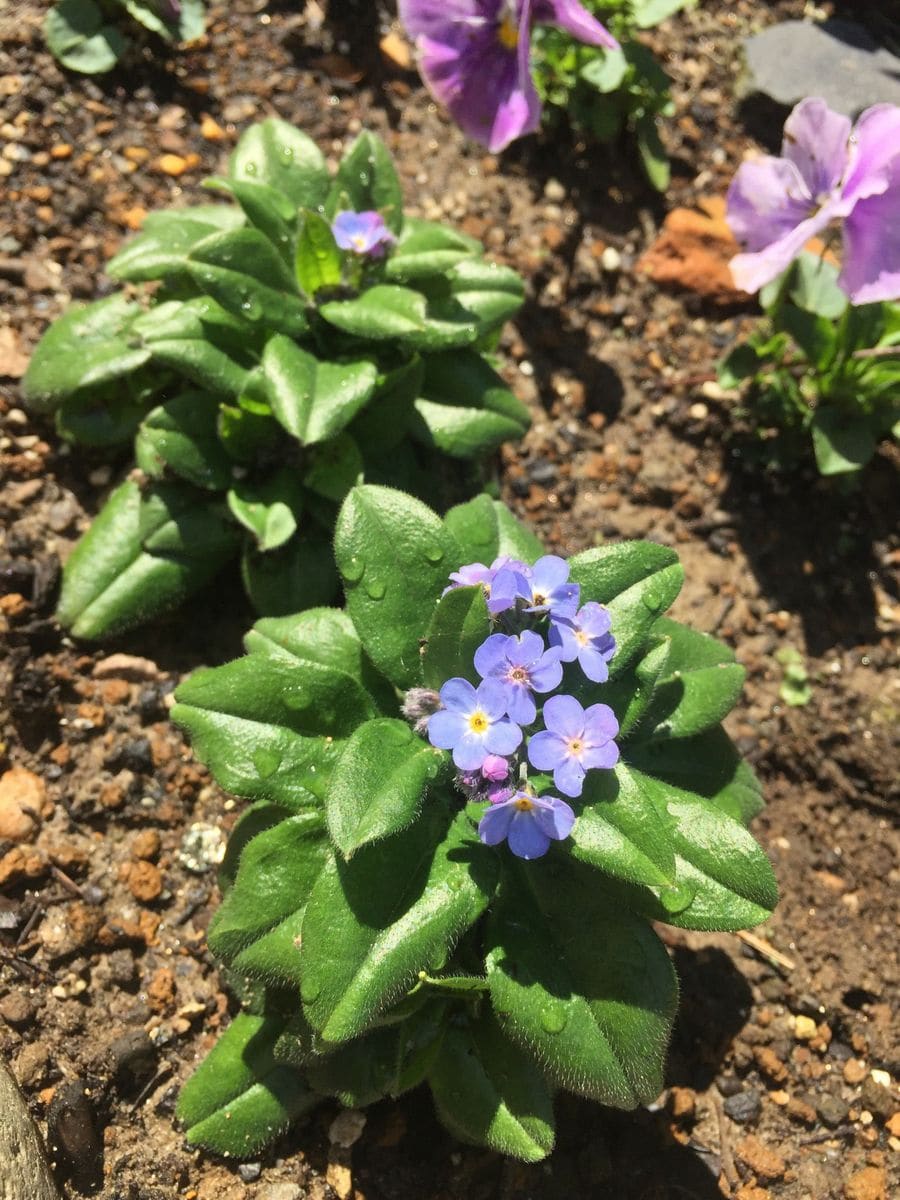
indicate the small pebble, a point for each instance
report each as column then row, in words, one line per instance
column 744, row 1107
column 250, row 1172
column 832, row 1111
column 611, row 259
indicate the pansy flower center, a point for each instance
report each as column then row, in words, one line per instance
column 508, row 30
column 478, row 721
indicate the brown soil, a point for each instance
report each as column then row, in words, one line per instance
column 783, row 1070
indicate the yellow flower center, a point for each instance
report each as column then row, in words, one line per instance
column 523, row 803
column 576, row 746
column 508, row 32
column 478, row 721
column 359, row 241
column 518, row 675
column 581, row 637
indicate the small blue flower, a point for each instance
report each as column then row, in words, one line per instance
column 585, row 636
column 575, row 741
column 542, row 588
column 524, row 665
column 362, row 233
column 473, row 723
column 529, row 823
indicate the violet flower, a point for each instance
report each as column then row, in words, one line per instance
column 827, row 172
column 585, row 636
column 362, row 233
column 576, row 740
column 474, row 58
column 523, row 665
column 527, row 822
column 473, row 723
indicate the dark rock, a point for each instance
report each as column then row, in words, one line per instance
column 132, row 1059
column 728, row 1085
column 74, row 1138
column 878, row 1099
column 837, row 60
column 135, row 755
column 743, row 1107
column 150, row 705
column 542, row 471
column 839, row 1051
column 832, row 1111
column 17, row 1010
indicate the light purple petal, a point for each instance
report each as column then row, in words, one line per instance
column 446, row 728
column 817, row 140
column 459, row 695
column 875, row 147
column 599, row 724
column 548, row 573
column 565, row 716
column 594, row 619
column 601, row 757
column 526, row 649
column 767, row 199
column 562, row 636
column 548, row 673
column 545, row 750
column 506, row 587
column 491, row 696
column 571, row 16
column 594, row 664
column 494, row 825
column 872, row 248
column 471, row 749
column 520, row 704
column 490, row 656
column 470, row 575
column 554, row 817
column 503, row 737
column 526, row 839
column 569, row 777
column 750, row 272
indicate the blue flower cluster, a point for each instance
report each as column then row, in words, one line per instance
column 486, row 726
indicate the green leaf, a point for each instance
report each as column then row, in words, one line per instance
column 318, row 260
column 109, row 414
column 257, row 927
column 181, row 436
column 387, row 313
column 647, row 13
column 246, row 274
column 382, row 425
column 313, row 400
column 379, row 783
column 165, row 241
column 393, row 910
column 334, row 468
column 366, row 180
column 814, row 286
column 275, row 153
column 816, row 336
column 637, row 581
column 488, row 292
column 739, row 364
column 86, row 347
column 699, row 686
column 620, row 831
column 484, row 529
column 114, row 580
column 652, row 152
column 459, row 626
column 843, row 441
column 266, row 209
column 487, row 1092
column 465, row 409
column 78, row 38
column 298, row 575
column 707, row 765
column 606, row 70
column 394, row 557
column 723, row 879
column 425, row 248
column 202, row 363
column 240, row 1098
column 256, row 722
column 269, row 510
column 585, row 987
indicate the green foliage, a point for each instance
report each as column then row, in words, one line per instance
column 266, row 372
column 392, row 946
column 817, row 370
column 84, row 36
column 606, row 93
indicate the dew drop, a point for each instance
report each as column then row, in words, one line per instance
column 433, row 552
column 309, row 991
column 353, row 569
column 250, row 168
column 653, row 599
column 375, row 589
column 266, row 762
column 677, row 898
column 554, row 1018
column 286, row 153
column 297, row 698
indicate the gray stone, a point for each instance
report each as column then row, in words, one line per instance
column 744, row 1107
column 837, row 60
column 832, row 1111
column 24, row 1174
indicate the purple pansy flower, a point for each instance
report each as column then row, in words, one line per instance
column 585, row 637
column 474, row 58
column 473, row 723
column 827, row 172
column 575, row 740
column 362, row 233
column 529, row 823
column 523, row 665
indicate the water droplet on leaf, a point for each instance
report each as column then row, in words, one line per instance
column 677, row 898
column 433, row 552
column 266, row 762
column 375, row 589
column 554, row 1018
column 353, row 569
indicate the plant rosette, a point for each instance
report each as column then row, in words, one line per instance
column 289, row 345
column 472, row 792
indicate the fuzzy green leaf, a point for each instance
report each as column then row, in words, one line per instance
column 165, row 241
column 366, row 180
column 484, row 529
column 386, row 312
column 318, row 257
column 243, row 271
column 426, row 248
column 181, row 436
column 275, row 153
column 459, row 626
column 313, row 400
column 465, row 409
